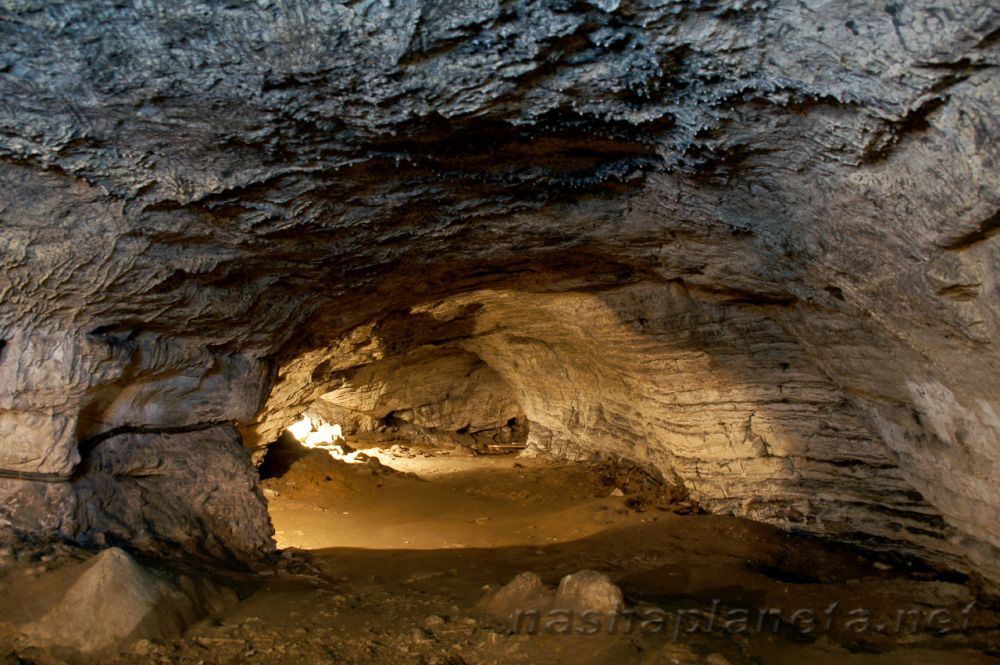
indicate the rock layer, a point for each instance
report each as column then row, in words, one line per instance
column 193, row 493
column 752, row 244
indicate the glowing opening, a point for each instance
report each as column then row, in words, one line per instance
column 324, row 435
column 328, row 437
column 301, row 429
column 315, row 437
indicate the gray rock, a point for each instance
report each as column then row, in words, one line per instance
column 191, row 493
column 589, row 591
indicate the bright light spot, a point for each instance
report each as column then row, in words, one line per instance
column 326, row 437
column 306, row 434
column 300, row 430
column 351, row 458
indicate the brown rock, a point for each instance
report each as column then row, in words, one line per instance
column 524, row 593
column 751, row 245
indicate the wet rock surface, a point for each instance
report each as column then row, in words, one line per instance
column 752, row 245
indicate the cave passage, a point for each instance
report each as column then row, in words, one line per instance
column 412, row 496
column 351, row 331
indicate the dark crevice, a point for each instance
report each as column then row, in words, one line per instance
column 90, row 443
column 960, row 292
column 737, row 296
column 986, row 229
column 281, row 455
column 835, row 291
column 116, row 336
column 989, row 40
column 914, row 121
column 859, row 464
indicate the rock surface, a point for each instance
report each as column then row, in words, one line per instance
column 524, row 593
column 187, row 492
column 102, row 606
column 585, row 593
column 751, row 244
column 434, row 395
column 589, row 591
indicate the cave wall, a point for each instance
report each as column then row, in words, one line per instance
column 190, row 493
column 443, row 389
column 637, row 214
column 128, row 438
column 442, row 396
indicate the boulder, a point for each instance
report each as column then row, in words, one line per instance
column 103, row 605
column 525, row 592
column 589, row 591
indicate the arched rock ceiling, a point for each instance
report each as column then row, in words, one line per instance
column 668, row 217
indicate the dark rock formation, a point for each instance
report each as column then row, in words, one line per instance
column 750, row 243
column 193, row 492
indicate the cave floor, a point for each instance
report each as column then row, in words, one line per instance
column 447, row 500
column 384, row 566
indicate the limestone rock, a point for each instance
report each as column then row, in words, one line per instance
column 186, row 492
column 452, row 390
column 589, row 591
column 105, row 604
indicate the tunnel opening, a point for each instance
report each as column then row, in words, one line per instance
column 383, row 470
column 433, row 413
column 711, row 394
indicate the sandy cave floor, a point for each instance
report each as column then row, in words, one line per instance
column 385, row 563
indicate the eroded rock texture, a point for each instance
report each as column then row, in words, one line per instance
column 192, row 492
column 750, row 243
column 436, row 395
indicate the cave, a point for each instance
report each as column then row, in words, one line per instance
column 477, row 331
